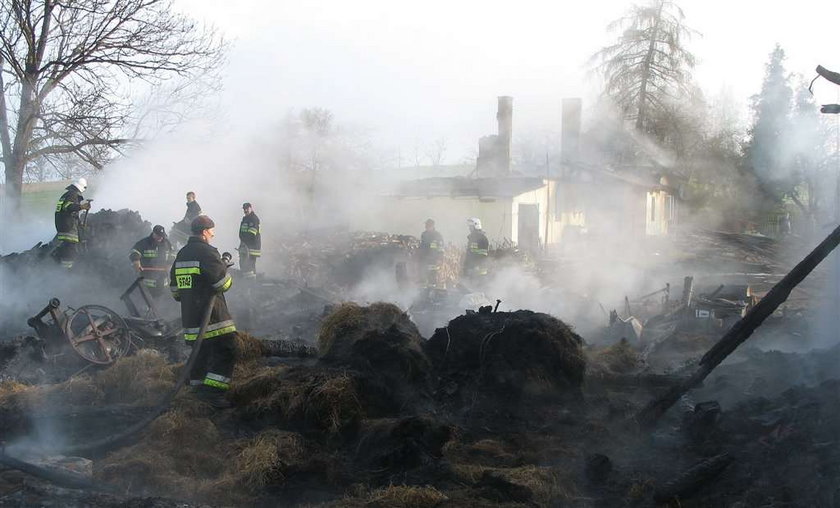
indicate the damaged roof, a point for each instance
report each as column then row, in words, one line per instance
column 506, row 187
column 646, row 177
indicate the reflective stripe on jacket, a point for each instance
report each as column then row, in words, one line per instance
column 431, row 246
column 250, row 234
column 197, row 274
column 150, row 253
column 67, row 215
column 478, row 250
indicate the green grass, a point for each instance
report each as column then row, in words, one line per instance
column 39, row 199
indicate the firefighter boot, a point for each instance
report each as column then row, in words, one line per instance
column 213, row 397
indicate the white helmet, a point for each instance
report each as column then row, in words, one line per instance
column 80, row 184
column 474, row 222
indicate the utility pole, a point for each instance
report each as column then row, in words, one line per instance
column 547, row 203
column 834, row 286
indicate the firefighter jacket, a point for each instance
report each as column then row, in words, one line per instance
column 197, row 274
column 193, row 211
column 431, row 247
column 249, row 234
column 67, row 215
column 478, row 249
column 152, row 254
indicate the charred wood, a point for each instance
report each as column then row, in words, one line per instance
column 694, row 478
column 741, row 330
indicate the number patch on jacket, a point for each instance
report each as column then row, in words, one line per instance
column 184, row 281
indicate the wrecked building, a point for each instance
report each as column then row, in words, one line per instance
column 532, row 210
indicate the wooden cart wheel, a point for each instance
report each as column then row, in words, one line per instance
column 98, row 334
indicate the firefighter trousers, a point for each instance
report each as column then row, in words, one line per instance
column 214, row 365
column 247, row 264
column 66, row 253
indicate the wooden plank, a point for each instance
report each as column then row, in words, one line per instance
column 740, row 331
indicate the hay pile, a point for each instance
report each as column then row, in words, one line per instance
column 306, row 399
column 394, row 496
column 266, row 458
column 350, row 324
column 181, row 454
column 530, row 485
column 395, row 446
column 322, row 400
column 249, row 349
column 360, row 423
column 620, row 358
column 508, row 355
column 134, row 381
column 137, row 380
column 192, row 452
column 13, row 407
column 383, row 348
column 184, row 455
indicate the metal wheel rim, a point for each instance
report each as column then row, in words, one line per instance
column 101, row 335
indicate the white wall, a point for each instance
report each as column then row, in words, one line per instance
column 407, row 215
column 499, row 216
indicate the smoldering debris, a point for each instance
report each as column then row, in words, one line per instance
column 101, row 266
column 729, row 252
column 508, row 355
column 103, row 238
column 371, row 417
column 353, row 428
column 494, row 408
column 341, row 258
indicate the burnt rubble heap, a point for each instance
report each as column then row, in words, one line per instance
column 492, row 409
column 496, row 408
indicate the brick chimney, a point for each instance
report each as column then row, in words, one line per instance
column 504, row 117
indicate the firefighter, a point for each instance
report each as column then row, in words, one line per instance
column 150, row 257
column 431, row 253
column 478, row 249
column 249, row 242
column 197, row 274
column 193, row 208
column 181, row 230
column 67, row 222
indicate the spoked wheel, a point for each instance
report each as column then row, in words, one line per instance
column 98, row 334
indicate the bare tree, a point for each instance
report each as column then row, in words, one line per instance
column 436, row 151
column 416, row 153
column 66, row 68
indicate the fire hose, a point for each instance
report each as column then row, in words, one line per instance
column 77, row 481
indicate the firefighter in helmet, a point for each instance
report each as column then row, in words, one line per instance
column 478, row 250
column 431, row 253
column 67, row 224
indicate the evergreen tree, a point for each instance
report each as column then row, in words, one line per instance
column 764, row 151
column 787, row 144
column 807, row 151
column 648, row 70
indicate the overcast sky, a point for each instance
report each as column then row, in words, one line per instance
column 411, row 72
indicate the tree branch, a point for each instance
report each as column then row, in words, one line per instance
column 59, row 149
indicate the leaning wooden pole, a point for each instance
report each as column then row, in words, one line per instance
column 740, row 331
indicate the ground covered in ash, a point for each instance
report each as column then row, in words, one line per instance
column 495, row 409
column 349, row 405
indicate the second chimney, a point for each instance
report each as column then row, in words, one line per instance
column 504, row 116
